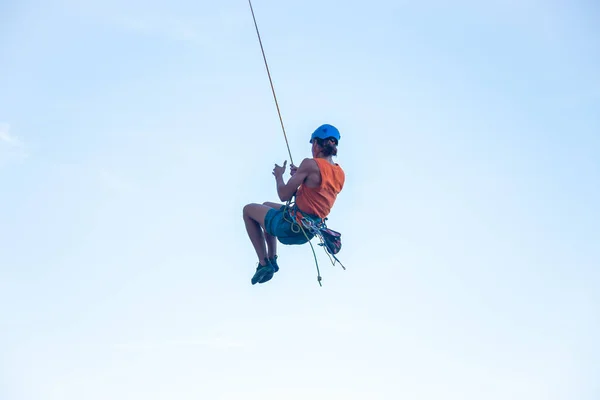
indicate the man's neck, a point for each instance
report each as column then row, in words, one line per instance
column 328, row 158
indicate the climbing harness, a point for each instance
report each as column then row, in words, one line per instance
column 330, row 239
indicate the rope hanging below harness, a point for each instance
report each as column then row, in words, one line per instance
column 300, row 223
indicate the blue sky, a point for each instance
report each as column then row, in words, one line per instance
column 131, row 136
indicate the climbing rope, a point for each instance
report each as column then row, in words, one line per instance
column 294, row 222
column 271, row 81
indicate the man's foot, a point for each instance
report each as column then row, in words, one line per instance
column 263, row 271
column 268, row 276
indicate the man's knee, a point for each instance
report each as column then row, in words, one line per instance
column 246, row 209
column 252, row 210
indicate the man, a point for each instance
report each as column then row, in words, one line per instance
column 315, row 183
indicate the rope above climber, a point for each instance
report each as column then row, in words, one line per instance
column 315, row 185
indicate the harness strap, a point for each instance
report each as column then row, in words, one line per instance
column 314, row 225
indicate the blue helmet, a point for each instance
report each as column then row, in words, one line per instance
column 324, row 132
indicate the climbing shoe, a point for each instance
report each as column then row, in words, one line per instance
column 268, row 276
column 263, row 271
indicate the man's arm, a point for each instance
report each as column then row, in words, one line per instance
column 286, row 191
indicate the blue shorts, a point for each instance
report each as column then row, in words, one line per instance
column 278, row 223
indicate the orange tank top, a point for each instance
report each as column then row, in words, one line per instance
column 319, row 201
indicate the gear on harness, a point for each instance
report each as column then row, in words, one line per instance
column 330, row 240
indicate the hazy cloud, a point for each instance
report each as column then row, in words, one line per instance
column 216, row 343
column 195, row 24
column 11, row 147
column 7, row 138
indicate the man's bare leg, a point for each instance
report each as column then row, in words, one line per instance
column 254, row 217
column 271, row 240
